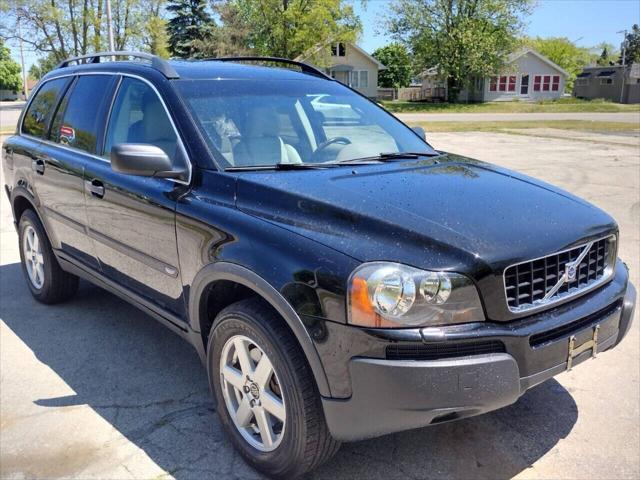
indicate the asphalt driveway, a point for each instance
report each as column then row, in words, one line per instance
column 96, row 389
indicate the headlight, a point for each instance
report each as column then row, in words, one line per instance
column 391, row 295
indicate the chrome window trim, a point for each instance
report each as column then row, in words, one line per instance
column 577, row 292
column 96, row 157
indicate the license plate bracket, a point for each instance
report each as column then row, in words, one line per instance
column 574, row 350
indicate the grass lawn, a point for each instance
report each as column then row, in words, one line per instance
column 575, row 125
column 549, row 106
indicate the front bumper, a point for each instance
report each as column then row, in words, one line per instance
column 393, row 395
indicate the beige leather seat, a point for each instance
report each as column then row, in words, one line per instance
column 260, row 143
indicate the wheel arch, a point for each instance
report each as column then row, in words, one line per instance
column 22, row 200
column 237, row 274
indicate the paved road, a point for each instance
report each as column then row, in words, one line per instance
column 625, row 117
column 96, row 389
column 9, row 114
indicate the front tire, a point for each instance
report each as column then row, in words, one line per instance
column 46, row 280
column 267, row 398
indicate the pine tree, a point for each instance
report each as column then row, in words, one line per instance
column 190, row 21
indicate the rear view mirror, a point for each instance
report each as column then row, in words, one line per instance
column 142, row 160
column 420, row 132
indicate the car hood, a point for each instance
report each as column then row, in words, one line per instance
column 451, row 213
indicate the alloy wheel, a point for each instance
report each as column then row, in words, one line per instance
column 33, row 257
column 252, row 393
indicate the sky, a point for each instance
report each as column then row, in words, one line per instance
column 586, row 22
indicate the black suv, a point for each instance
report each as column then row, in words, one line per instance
column 339, row 277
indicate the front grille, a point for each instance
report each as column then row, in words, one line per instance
column 528, row 285
column 436, row 351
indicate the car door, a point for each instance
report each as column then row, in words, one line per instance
column 59, row 163
column 131, row 218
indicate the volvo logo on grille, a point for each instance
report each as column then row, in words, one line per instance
column 571, row 273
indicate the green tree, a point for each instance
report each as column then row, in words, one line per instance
column 462, row 38
column 563, row 52
column 190, row 23
column 230, row 37
column 10, row 71
column 605, row 55
column 42, row 66
column 632, row 41
column 608, row 55
column 398, row 62
column 75, row 27
column 288, row 28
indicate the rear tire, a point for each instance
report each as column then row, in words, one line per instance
column 301, row 440
column 46, row 280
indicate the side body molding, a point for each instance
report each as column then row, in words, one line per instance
column 236, row 273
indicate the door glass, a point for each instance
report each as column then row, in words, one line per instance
column 82, row 118
column 138, row 116
column 36, row 120
column 524, row 85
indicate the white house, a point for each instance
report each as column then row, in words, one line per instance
column 349, row 64
column 528, row 75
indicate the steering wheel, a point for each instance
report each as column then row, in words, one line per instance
column 328, row 142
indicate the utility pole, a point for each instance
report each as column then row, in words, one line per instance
column 624, row 63
column 25, row 87
column 109, row 26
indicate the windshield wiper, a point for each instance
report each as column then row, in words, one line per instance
column 390, row 156
column 279, row 166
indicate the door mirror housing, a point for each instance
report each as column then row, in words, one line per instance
column 143, row 160
column 420, row 132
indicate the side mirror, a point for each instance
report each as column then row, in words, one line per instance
column 420, row 132
column 142, row 160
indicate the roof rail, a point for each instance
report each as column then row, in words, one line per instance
column 305, row 67
column 156, row 62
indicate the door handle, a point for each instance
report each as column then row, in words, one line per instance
column 37, row 165
column 96, row 187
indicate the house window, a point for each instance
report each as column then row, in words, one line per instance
column 546, row 83
column 524, row 85
column 537, row 81
column 364, row 79
column 338, row 49
column 606, row 81
column 359, row 79
column 582, row 82
column 503, row 83
column 555, row 85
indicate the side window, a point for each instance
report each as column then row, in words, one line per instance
column 78, row 120
column 36, row 120
column 138, row 116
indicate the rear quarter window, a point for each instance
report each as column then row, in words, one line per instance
column 79, row 122
column 38, row 115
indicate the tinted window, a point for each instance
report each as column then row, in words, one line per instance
column 36, row 120
column 82, row 117
column 138, row 116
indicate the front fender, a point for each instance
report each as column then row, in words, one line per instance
column 238, row 274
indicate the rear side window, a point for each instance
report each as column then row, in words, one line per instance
column 36, row 120
column 79, row 120
column 138, row 116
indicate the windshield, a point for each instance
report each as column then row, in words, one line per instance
column 258, row 123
